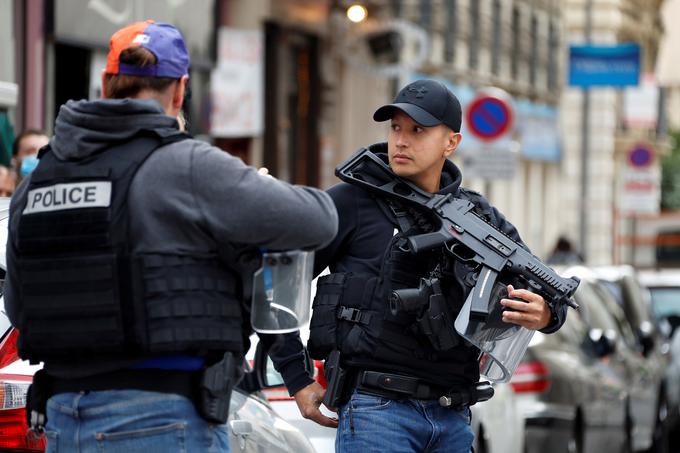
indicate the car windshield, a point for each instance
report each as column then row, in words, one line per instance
column 666, row 301
column 615, row 290
column 594, row 309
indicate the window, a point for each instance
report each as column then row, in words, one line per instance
column 553, row 43
column 473, row 36
column 496, row 38
column 426, row 14
column 451, row 31
column 515, row 52
column 533, row 68
column 397, row 8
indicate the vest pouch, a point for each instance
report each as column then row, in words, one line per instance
column 71, row 306
column 324, row 322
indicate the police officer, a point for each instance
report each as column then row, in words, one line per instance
column 395, row 374
column 127, row 257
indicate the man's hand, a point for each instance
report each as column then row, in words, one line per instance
column 308, row 400
column 533, row 314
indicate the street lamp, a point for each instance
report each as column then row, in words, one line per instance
column 357, row 13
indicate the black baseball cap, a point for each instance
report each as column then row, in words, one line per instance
column 428, row 102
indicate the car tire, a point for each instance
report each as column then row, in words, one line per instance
column 628, row 433
column 575, row 442
column 661, row 434
column 480, row 442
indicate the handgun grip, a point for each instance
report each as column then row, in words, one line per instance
column 427, row 241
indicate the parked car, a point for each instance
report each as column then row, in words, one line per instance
column 648, row 361
column 253, row 425
column 570, row 397
column 664, row 287
column 497, row 423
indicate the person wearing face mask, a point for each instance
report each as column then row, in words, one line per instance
column 25, row 151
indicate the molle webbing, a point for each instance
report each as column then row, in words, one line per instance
column 191, row 304
column 72, row 304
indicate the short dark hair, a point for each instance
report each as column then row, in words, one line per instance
column 120, row 86
column 23, row 135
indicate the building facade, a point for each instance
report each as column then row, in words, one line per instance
column 292, row 85
column 616, row 202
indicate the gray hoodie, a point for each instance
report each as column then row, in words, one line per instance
column 188, row 197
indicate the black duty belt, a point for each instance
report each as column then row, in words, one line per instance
column 183, row 383
column 397, row 386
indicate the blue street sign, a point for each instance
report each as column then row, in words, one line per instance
column 640, row 156
column 617, row 65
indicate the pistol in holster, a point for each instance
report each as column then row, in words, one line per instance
column 215, row 389
column 37, row 395
column 336, row 377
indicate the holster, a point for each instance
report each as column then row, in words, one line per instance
column 336, row 377
column 437, row 322
column 216, row 385
column 36, row 401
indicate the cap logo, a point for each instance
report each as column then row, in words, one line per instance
column 141, row 39
column 420, row 91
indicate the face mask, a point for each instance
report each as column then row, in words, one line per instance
column 28, row 164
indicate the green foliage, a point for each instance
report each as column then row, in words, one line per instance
column 670, row 176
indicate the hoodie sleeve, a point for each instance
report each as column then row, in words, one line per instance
column 241, row 206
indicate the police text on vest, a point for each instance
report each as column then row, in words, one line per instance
column 77, row 195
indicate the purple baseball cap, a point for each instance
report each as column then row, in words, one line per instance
column 163, row 40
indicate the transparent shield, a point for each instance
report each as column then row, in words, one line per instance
column 502, row 344
column 281, row 291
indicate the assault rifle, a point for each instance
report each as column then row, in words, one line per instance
column 458, row 227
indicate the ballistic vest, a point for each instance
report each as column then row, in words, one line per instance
column 85, row 294
column 351, row 313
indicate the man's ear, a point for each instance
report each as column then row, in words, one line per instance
column 104, row 83
column 178, row 95
column 453, row 139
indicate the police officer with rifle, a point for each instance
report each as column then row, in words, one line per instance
column 129, row 254
column 404, row 266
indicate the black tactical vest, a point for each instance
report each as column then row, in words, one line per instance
column 351, row 313
column 85, row 294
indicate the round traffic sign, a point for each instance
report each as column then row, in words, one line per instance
column 640, row 156
column 489, row 117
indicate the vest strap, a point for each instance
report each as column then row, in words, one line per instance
column 353, row 315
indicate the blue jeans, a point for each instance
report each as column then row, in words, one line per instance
column 371, row 423
column 129, row 421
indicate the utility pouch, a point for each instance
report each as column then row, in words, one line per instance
column 217, row 383
column 324, row 323
column 336, row 377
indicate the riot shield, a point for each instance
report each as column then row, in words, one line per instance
column 502, row 344
column 281, row 291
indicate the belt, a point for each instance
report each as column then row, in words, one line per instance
column 397, row 386
column 183, row 383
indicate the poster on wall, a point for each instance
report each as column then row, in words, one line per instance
column 237, row 84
